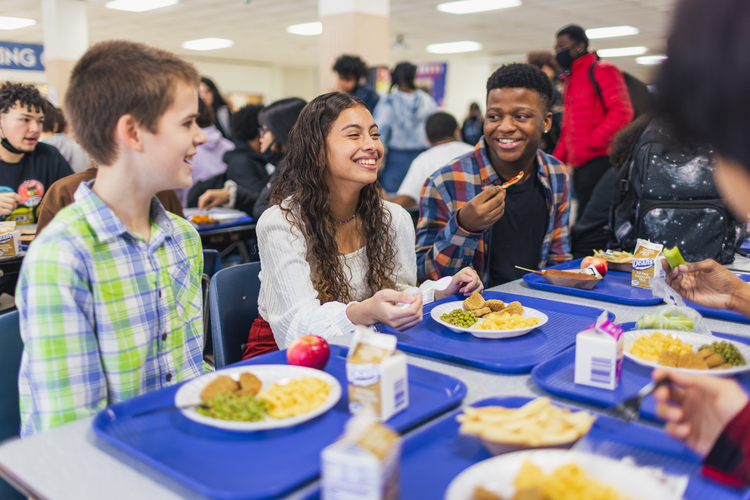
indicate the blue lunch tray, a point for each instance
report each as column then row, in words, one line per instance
column 434, row 456
column 240, row 221
column 556, row 376
column 615, row 287
column 230, row 465
column 514, row 355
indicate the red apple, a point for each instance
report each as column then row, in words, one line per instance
column 599, row 264
column 309, row 350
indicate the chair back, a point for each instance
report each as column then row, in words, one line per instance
column 234, row 306
column 10, row 361
column 211, row 262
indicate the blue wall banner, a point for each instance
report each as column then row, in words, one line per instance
column 21, row 56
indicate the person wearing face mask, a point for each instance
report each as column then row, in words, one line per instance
column 590, row 122
column 27, row 167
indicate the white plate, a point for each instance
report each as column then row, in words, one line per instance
column 694, row 338
column 190, row 394
column 487, row 334
column 498, row 474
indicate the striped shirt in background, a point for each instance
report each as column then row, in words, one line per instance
column 444, row 248
column 104, row 314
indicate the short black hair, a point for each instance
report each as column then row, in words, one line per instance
column 702, row 86
column 350, row 67
column 404, row 73
column 524, row 76
column 245, row 123
column 27, row 96
column 575, row 33
column 440, row 126
column 50, row 117
column 280, row 116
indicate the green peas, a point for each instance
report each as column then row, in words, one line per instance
column 731, row 354
column 228, row 406
column 459, row 317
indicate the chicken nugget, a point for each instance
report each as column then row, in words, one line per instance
column 495, row 305
column 249, row 384
column 691, row 361
column 705, row 353
column 715, row 360
column 668, row 358
column 219, row 385
column 475, row 301
column 481, row 493
column 725, row 366
column 514, row 309
column 481, row 312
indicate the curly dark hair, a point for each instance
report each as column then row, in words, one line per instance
column 619, row 148
column 539, row 58
column 303, row 181
column 526, row 76
column 25, row 95
column 350, row 66
column 245, row 123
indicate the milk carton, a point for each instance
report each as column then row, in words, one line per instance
column 599, row 355
column 646, row 263
column 377, row 374
column 10, row 239
column 364, row 463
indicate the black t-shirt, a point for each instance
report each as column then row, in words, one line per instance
column 35, row 173
column 517, row 237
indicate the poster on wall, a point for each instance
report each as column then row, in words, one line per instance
column 430, row 78
column 21, row 56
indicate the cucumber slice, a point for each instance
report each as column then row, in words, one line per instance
column 673, row 256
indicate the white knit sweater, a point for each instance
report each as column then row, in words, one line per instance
column 287, row 298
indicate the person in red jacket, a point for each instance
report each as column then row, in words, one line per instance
column 589, row 122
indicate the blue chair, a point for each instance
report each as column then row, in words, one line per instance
column 10, row 361
column 211, row 265
column 234, row 306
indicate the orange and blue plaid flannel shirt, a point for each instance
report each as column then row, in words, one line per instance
column 444, row 248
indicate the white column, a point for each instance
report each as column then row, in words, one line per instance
column 66, row 38
column 355, row 27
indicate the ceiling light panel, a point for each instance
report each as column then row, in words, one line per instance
column 650, row 60
column 611, row 32
column 207, row 44
column 472, row 6
column 139, row 5
column 306, row 29
column 454, row 47
column 15, row 23
column 622, row 52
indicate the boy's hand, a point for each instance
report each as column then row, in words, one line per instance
column 466, row 281
column 706, row 283
column 212, row 198
column 483, row 210
column 697, row 408
column 9, row 202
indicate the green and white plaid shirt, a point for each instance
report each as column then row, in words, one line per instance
column 104, row 314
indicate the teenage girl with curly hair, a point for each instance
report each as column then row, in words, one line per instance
column 333, row 253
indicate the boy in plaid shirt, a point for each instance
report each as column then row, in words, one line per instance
column 466, row 217
column 109, row 293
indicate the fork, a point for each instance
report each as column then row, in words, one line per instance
column 629, row 409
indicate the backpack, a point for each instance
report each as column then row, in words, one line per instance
column 640, row 97
column 665, row 193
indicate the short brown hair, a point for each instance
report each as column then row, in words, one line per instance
column 541, row 57
column 116, row 78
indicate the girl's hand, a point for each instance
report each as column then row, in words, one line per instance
column 697, row 408
column 465, row 281
column 707, row 283
column 382, row 308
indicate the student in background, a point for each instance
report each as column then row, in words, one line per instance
column 468, row 218
column 210, row 94
column 473, row 126
column 109, row 296
column 54, row 135
column 443, row 134
column 351, row 71
column 333, row 253
column 545, row 61
column 401, row 116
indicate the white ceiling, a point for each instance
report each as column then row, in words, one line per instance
column 258, row 27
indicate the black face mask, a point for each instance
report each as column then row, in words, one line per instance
column 7, row 145
column 564, row 59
